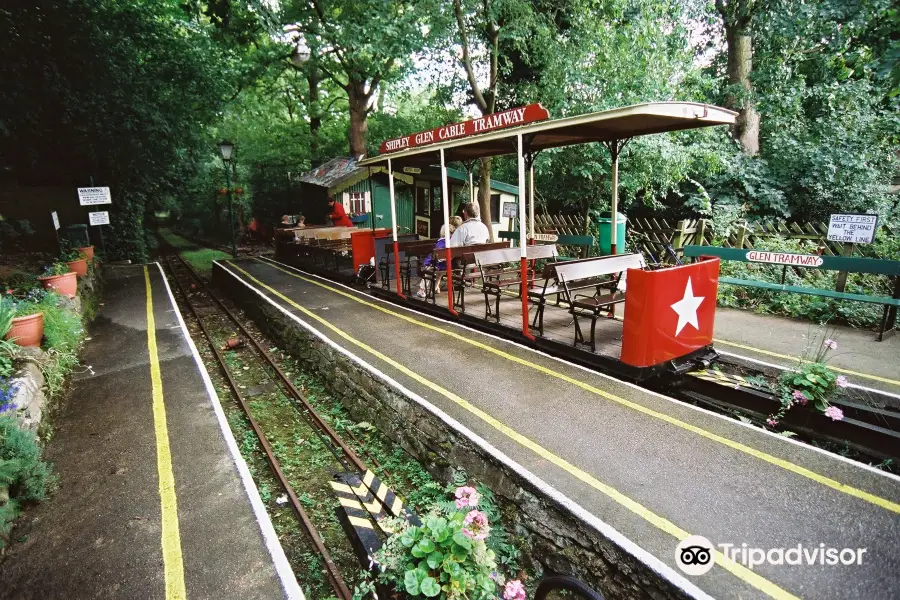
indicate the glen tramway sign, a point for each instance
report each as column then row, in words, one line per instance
column 783, row 258
column 501, row 120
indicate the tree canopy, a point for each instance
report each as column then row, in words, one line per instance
column 137, row 95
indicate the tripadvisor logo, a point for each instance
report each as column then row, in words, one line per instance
column 696, row 555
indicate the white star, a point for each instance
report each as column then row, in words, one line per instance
column 687, row 308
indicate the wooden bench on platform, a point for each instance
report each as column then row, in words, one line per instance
column 604, row 275
column 461, row 258
column 410, row 251
column 501, row 269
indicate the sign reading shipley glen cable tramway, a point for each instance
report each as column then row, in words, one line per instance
column 500, row 120
column 783, row 258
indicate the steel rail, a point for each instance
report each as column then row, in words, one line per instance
column 334, row 576
column 318, row 421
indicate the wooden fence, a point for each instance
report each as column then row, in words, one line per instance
column 651, row 235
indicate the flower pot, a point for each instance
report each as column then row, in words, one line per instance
column 87, row 252
column 27, row 331
column 79, row 267
column 67, row 284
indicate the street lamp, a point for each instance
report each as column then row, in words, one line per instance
column 226, row 148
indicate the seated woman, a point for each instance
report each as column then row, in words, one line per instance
column 429, row 264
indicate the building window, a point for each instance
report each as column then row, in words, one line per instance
column 495, row 208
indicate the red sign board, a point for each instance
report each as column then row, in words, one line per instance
column 501, row 120
column 669, row 312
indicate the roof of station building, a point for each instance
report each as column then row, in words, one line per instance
column 603, row 126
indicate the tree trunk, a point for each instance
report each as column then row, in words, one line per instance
column 314, row 110
column 359, row 101
column 484, row 195
column 740, row 64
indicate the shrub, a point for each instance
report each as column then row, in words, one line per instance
column 447, row 556
column 57, row 268
column 24, row 477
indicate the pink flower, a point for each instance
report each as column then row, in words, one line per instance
column 800, row 397
column 772, row 422
column 466, row 496
column 514, row 590
column 830, row 344
column 834, row 413
column 475, row 525
column 841, row 381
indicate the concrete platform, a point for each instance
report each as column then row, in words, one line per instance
column 114, row 528
column 654, row 469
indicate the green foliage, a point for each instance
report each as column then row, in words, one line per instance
column 56, row 268
column 7, row 314
column 813, row 308
column 438, row 559
column 24, row 477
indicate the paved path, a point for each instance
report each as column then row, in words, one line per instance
column 653, row 468
column 113, row 529
column 782, row 341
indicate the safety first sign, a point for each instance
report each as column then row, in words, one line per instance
column 855, row 229
column 669, row 312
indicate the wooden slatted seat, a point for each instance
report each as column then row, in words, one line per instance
column 501, row 269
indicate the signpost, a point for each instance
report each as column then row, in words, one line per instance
column 501, row 120
column 852, row 229
column 782, row 258
column 100, row 218
column 545, row 237
column 55, row 218
column 510, row 210
column 92, row 196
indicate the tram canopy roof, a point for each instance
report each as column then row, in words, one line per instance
column 607, row 125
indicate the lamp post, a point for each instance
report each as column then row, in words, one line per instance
column 226, row 148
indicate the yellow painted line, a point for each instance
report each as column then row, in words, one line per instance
column 348, row 503
column 368, row 478
column 396, row 507
column 173, row 562
column 382, row 492
column 640, row 510
column 797, row 359
column 774, row 460
column 341, row 487
column 360, row 522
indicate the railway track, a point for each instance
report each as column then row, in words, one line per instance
column 211, row 314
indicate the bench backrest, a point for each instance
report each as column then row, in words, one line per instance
column 487, row 258
column 598, row 267
column 875, row 266
column 467, row 253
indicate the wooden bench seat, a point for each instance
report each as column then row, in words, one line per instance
column 462, row 258
column 501, row 269
column 604, row 276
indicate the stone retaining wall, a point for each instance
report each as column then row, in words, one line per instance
column 551, row 536
column 29, row 398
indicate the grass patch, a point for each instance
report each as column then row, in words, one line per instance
column 202, row 260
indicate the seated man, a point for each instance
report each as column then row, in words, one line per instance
column 472, row 231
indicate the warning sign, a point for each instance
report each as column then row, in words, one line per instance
column 852, row 228
column 94, row 195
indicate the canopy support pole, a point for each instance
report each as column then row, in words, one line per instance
column 531, row 196
column 394, row 231
column 445, row 203
column 615, row 148
column 523, row 249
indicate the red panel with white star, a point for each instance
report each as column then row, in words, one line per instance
column 669, row 312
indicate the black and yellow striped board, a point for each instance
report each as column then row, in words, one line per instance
column 355, row 519
column 392, row 503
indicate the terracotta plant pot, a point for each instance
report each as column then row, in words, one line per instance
column 67, row 284
column 78, row 266
column 27, row 331
column 87, row 252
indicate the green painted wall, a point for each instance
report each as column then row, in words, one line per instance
column 382, row 204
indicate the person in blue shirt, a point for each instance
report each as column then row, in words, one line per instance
column 440, row 264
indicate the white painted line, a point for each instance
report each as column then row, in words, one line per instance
column 783, row 368
column 606, row 530
column 705, row 411
column 283, row 568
